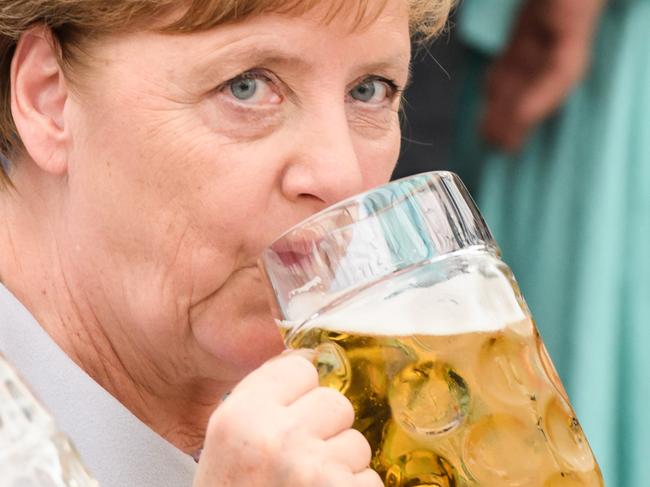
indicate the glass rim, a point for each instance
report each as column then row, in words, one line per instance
column 390, row 228
column 359, row 197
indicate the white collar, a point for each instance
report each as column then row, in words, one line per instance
column 118, row 448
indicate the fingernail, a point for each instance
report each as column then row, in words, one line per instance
column 307, row 353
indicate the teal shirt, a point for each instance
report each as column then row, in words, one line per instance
column 486, row 24
column 572, row 215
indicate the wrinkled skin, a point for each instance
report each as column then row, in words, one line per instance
column 154, row 175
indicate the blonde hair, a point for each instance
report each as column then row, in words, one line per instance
column 73, row 21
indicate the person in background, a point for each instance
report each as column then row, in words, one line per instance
column 554, row 139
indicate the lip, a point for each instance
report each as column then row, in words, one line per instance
column 297, row 248
column 290, row 258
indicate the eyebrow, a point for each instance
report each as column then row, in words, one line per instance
column 389, row 64
column 232, row 60
column 275, row 57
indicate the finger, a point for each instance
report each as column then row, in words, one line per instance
column 547, row 91
column 504, row 132
column 521, row 61
column 326, row 412
column 514, row 104
column 499, row 80
column 368, row 478
column 350, row 448
column 307, row 353
column 281, row 380
column 531, row 103
column 499, row 125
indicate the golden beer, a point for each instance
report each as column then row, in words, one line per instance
column 418, row 321
column 464, row 404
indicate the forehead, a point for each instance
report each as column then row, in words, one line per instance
column 313, row 38
column 299, row 45
column 206, row 14
column 372, row 25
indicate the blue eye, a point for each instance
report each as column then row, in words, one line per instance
column 365, row 91
column 243, row 88
column 374, row 91
column 252, row 89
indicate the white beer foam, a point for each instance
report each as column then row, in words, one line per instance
column 465, row 303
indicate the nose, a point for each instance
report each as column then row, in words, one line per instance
column 324, row 165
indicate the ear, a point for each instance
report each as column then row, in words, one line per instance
column 38, row 97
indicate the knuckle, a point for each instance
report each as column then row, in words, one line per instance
column 218, row 420
column 225, row 424
column 290, row 365
column 286, row 431
column 339, row 404
column 266, row 447
column 375, row 479
column 304, row 471
column 303, row 367
column 270, row 444
column 312, row 470
column 360, row 444
column 369, row 478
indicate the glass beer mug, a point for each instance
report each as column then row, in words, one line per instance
column 421, row 325
column 33, row 452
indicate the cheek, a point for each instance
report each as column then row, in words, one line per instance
column 235, row 325
column 171, row 197
column 378, row 155
column 157, row 173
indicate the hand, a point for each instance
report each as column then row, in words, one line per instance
column 546, row 57
column 278, row 428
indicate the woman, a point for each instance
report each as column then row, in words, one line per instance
column 154, row 151
column 567, row 193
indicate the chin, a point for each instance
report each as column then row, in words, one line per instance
column 235, row 327
column 240, row 344
column 261, row 343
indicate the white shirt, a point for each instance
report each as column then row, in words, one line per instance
column 117, row 448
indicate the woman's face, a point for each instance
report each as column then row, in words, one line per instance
column 190, row 153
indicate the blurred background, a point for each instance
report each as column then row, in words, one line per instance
column 543, row 108
column 428, row 112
